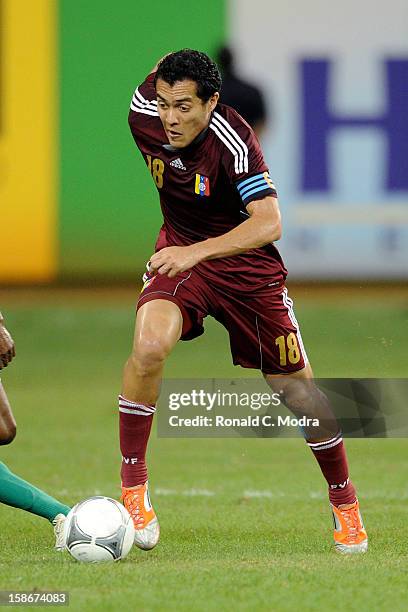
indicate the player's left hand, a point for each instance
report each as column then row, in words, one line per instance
column 7, row 350
column 173, row 260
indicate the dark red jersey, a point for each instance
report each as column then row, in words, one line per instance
column 204, row 188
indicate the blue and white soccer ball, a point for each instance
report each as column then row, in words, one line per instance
column 99, row 529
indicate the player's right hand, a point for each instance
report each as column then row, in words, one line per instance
column 148, row 275
column 7, row 349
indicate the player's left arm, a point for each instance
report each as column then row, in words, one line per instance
column 262, row 227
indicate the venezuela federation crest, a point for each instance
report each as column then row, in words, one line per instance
column 202, row 185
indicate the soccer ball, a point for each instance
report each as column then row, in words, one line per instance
column 98, row 529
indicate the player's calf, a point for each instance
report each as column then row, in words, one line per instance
column 302, row 397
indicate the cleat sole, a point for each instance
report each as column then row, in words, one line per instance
column 352, row 549
column 147, row 538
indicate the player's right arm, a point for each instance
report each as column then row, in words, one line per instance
column 143, row 118
column 7, row 349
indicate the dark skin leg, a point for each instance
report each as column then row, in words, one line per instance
column 7, row 421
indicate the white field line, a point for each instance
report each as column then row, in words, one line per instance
column 246, row 494
column 186, row 492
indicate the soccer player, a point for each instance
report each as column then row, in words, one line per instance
column 15, row 491
column 215, row 256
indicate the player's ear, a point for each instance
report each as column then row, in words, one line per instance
column 214, row 100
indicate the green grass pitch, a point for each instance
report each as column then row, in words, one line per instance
column 245, row 523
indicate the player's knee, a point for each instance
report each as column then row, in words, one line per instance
column 297, row 398
column 7, row 435
column 149, row 354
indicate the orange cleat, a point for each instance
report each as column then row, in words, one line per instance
column 137, row 502
column 349, row 533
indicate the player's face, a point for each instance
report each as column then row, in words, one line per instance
column 183, row 114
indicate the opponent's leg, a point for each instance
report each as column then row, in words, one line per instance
column 300, row 394
column 158, row 328
column 7, row 422
column 16, row 492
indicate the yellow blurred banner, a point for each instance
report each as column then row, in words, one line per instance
column 28, row 163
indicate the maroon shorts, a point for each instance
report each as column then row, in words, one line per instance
column 262, row 326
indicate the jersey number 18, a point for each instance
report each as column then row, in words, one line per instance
column 156, row 169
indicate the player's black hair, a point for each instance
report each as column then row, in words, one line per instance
column 196, row 66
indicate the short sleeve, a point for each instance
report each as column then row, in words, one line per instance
column 144, row 99
column 143, row 119
column 243, row 160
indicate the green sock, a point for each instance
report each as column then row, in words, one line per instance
column 16, row 492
